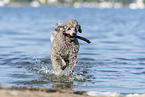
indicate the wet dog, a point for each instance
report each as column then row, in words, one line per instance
column 65, row 45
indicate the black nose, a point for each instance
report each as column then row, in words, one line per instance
column 74, row 34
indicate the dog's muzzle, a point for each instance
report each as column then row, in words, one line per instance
column 72, row 37
column 76, row 36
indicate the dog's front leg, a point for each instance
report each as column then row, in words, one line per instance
column 58, row 62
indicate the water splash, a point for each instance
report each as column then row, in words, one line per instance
column 46, row 70
column 39, row 73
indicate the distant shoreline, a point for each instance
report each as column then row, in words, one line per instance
column 78, row 4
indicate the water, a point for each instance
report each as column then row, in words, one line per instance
column 113, row 62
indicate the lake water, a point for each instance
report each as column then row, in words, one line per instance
column 113, row 62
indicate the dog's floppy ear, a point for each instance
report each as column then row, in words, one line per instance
column 80, row 30
column 60, row 27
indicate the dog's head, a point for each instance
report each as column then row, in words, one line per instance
column 70, row 28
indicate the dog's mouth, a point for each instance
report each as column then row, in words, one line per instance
column 76, row 36
column 72, row 37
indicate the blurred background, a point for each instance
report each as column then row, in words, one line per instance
column 133, row 4
column 113, row 62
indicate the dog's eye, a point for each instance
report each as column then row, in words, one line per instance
column 68, row 29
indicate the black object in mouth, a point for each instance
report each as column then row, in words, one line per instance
column 76, row 36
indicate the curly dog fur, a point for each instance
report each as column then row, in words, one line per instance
column 65, row 45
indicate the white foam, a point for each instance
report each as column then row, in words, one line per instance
column 132, row 95
column 45, row 69
column 107, row 94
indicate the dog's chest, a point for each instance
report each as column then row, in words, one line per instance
column 70, row 47
column 64, row 46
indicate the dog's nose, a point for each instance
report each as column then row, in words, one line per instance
column 74, row 34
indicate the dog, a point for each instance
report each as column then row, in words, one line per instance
column 65, row 45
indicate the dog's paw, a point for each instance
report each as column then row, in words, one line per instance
column 63, row 67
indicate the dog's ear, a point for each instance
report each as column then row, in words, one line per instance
column 80, row 30
column 60, row 27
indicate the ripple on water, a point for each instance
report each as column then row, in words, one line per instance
column 114, row 61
